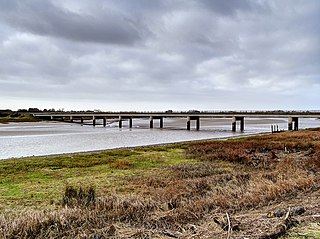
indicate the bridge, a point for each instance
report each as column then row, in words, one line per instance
column 236, row 116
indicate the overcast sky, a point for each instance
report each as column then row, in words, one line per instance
column 160, row 54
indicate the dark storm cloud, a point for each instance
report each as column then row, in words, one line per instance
column 123, row 54
column 44, row 18
column 229, row 7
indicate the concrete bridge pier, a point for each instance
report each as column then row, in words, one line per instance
column 51, row 117
column 290, row 123
column 93, row 120
column 151, row 122
column 296, row 123
column 130, row 122
column 198, row 123
column 120, row 122
column 161, row 122
column 81, row 120
column 293, row 123
column 158, row 118
column 197, row 118
column 104, row 121
column 71, row 119
column 234, row 123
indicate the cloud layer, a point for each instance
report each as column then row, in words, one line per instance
column 157, row 55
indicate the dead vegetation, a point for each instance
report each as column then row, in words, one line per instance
column 191, row 200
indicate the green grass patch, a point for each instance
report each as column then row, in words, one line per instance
column 309, row 231
column 40, row 181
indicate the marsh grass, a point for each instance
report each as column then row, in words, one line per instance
column 18, row 118
column 166, row 188
column 79, row 197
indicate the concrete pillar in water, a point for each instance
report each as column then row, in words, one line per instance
column 161, row 122
column 198, row 123
column 81, row 119
column 93, row 120
column 289, row 123
column 234, row 124
column 296, row 123
column 51, row 117
column 241, row 123
column 151, row 122
column 71, row 119
column 120, row 122
column 130, row 122
column 188, row 123
column 104, row 121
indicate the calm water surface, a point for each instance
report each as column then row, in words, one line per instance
column 47, row 138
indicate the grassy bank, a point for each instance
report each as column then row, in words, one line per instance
column 182, row 190
column 16, row 117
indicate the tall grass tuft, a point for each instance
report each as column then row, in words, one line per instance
column 78, row 197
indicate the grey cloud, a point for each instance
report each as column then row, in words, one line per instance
column 228, row 7
column 44, row 18
column 184, row 54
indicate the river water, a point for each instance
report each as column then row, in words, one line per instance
column 49, row 138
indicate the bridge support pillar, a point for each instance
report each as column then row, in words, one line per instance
column 296, row 123
column 81, row 120
column 290, row 119
column 234, row 123
column 151, row 122
column 188, row 123
column 104, row 121
column 242, row 124
column 130, row 122
column 51, row 117
column 120, row 122
column 198, row 123
column 161, row 122
column 93, row 120
column 71, row 119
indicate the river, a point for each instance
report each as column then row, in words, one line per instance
column 49, row 138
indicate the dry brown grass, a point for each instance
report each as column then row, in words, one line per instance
column 121, row 164
column 231, row 176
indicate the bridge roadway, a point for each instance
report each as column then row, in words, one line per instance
column 292, row 116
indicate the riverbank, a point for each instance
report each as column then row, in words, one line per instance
column 18, row 118
column 181, row 190
column 55, row 138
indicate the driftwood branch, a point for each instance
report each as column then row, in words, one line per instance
column 281, row 228
column 229, row 226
